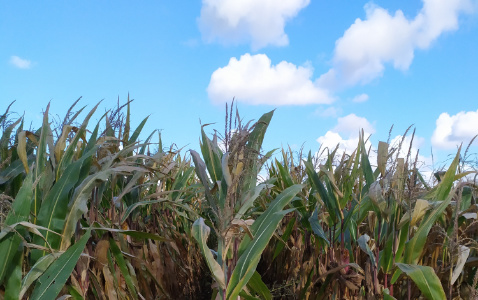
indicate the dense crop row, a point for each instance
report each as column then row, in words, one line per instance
column 89, row 212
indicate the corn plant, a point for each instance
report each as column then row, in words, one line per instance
column 230, row 187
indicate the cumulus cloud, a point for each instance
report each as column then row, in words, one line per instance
column 254, row 80
column 382, row 38
column 20, row 62
column 451, row 131
column 346, row 134
column 351, row 124
column 260, row 22
column 360, row 98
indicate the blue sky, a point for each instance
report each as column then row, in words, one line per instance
column 329, row 67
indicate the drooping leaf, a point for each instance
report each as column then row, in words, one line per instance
column 316, row 228
column 201, row 232
column 463, row 254
column 425, row 279
column 363, row 244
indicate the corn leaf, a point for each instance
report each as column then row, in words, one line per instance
column 9, row 246
column 200, row 232
column 52, row 281
column 256, row 284
column 247, row 263
column 36, row 271
column 425, row 279
column 123, row 268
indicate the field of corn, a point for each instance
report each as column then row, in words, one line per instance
column 88, row 211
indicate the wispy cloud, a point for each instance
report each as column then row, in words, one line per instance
column 260, row 22
column 20, row 63
column 252, row 79
column 360, row 98
column 329, row 112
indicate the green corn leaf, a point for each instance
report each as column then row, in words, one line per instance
column 180, row 183
column 14, row 169
column 284, row 238
column 78, row 205
column 133, row 206
column 74, row 293
column 70, row 151
column 316, row 228
column 52, row 281
column 123, row 268
column 9, row 246
column 256, row 284
column 36, row 271
column 248, row 260
column 315, row 182
column 386, row 295
column 134, row 233
column 284, row 174
column 212, row 157
column 249, row 198
column 425, row 279
column 275, row 206
column 137, row 131
column 414, row 247
column 366, row 167
column 127, row 124
column 446, row 184
column 14, row 279
column 55, row 205
column 363, row 244
column 254, row 143
column 4, row 140
column 386, row 258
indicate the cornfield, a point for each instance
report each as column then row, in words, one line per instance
column 88, row 211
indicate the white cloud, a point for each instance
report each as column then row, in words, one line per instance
column 451, row 131
column 346, row 134
column 260, row 22
column 367, row 45
column 20, row 62
column 351, row 124
column 331, row 139
column 360, row 98
column 253, row 80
